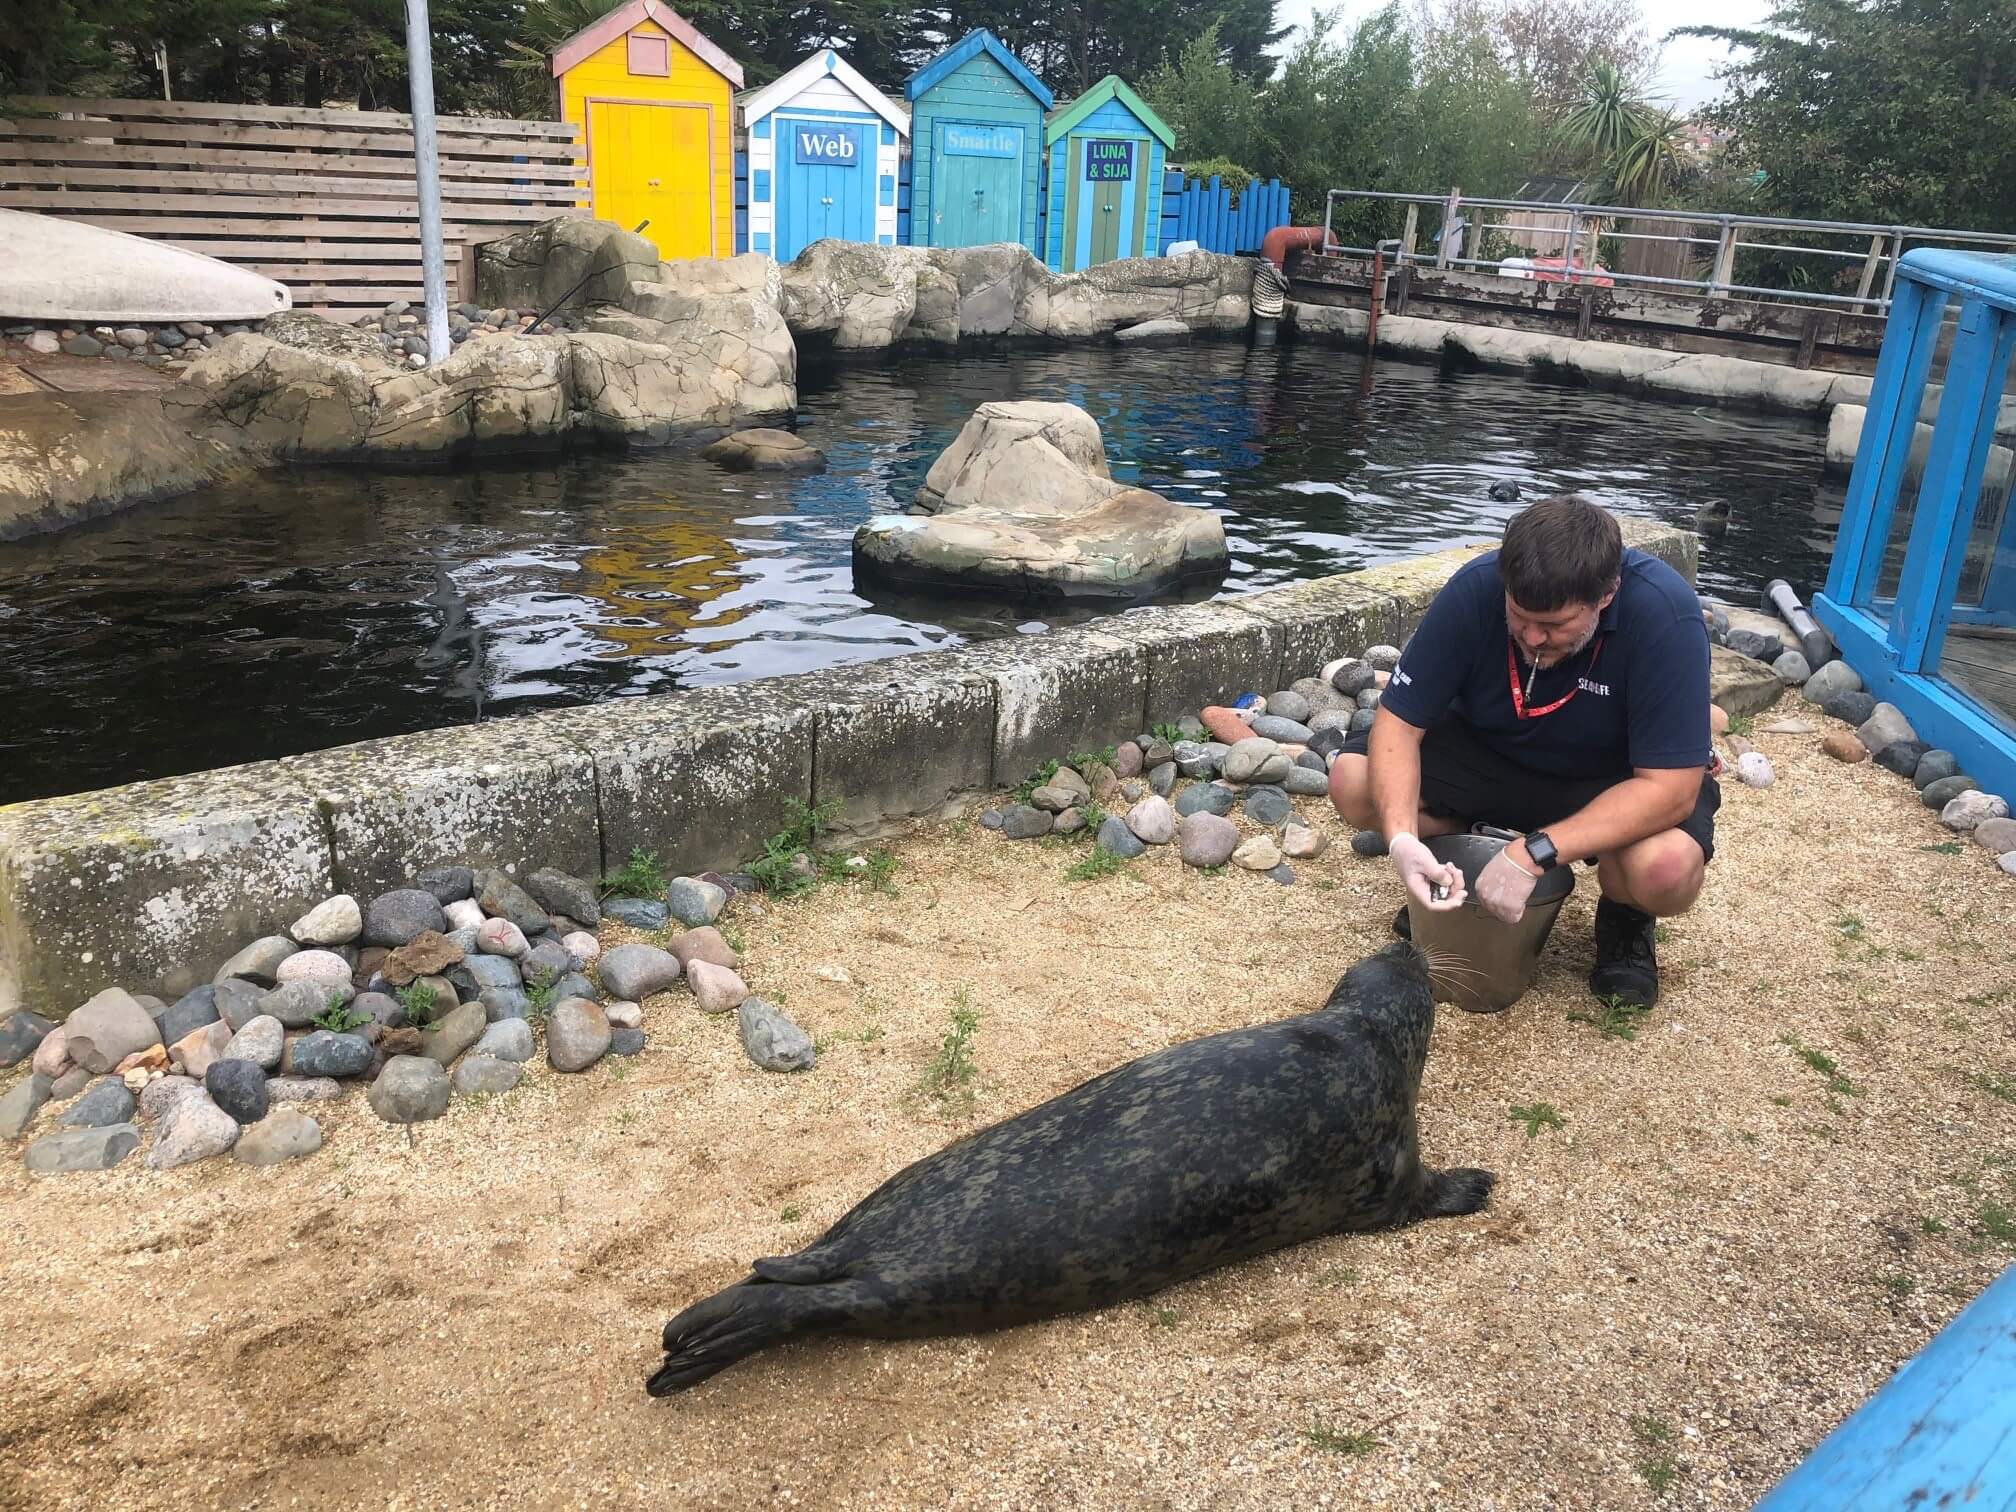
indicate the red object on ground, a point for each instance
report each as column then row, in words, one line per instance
column 1225, row 725
column 1278, row 243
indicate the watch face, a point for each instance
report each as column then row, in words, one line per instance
column 1541, row 849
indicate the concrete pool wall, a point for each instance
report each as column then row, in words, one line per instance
column 152, row 885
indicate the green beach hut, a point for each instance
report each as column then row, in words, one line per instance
column 976, row 119
column 1106, row 152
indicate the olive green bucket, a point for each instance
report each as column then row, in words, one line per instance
column 1482, row 964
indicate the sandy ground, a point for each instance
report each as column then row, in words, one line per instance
column 1684, row 1287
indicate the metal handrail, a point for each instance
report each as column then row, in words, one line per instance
column 1886, row 243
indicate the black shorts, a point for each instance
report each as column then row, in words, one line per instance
column 1464, row 779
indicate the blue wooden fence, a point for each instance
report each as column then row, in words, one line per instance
column 1208, row 215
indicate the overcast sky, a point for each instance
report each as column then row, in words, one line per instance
column 1686, row 67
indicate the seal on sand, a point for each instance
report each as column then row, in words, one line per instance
column 1184, row 1160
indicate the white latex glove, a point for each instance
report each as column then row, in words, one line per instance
column 1420, row 871
column 1504, row 886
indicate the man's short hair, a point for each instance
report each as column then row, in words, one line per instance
column 1560, row 551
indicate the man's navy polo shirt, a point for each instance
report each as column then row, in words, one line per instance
column 1642, row 702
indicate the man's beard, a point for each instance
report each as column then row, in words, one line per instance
column 1548, row 659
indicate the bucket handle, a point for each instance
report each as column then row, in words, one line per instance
column 1496, row 832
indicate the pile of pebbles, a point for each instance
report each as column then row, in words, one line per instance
column 1218, row 801
column 444, row 988
column 169, row 347
column 402, row 330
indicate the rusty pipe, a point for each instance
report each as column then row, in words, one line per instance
column 1278, row 243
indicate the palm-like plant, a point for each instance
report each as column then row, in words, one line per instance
column 1637, row 143
column 1641, row 171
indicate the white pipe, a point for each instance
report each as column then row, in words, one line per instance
column 427, row 177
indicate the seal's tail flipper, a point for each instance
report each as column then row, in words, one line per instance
column 1452, row 1193
column 717, row 1331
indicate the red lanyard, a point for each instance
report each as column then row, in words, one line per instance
column 1518, row 695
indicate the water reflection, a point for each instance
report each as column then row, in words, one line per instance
column 307, row 609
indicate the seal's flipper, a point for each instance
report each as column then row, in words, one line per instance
column 802, row 1269
column 717, row 1331
column 1452, row 1193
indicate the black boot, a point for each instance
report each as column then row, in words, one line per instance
column 1627, row 966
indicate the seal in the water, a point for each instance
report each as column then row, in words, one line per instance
column 1184, row 1160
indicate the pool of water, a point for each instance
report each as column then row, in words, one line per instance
column 317, row 607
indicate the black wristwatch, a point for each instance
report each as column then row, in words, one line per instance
column 1541, row 849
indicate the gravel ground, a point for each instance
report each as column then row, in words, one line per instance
column 1672, row 1296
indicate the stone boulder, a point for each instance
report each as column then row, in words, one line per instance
column 863, row 297
column 70, row 457
column 765, row 450
column 1022, row 504
column 536, row 269
column 504, row 390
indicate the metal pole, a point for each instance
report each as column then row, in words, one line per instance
column 427, row 177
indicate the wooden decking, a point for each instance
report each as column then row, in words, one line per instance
column 1982, row 663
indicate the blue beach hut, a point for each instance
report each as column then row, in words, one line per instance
column 825, row 147
column 1921, row 595
column 977, row 114
column 1106, row 152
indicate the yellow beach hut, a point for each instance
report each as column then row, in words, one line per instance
column 656, row 101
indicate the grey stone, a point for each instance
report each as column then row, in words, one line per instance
column 990, row 818
column 108, row 1029
column 508, row 1039
column 1932, row 766
column 334, row 921
column 1753, row 769
column 504, row 899
column 411, row 1089
column 189, row 1013
column 324, row 1053
column 1068, row 823
column 299, row 1004
column 1996, row 836
column 1901, row 756
column 1291, row 731
column 1268, row 806
column 476, row 972
column 1885, row 727
column 83, row 346
column 694, row 902
column 1313, row 762
column 1852, row 707
column 577, row 1035
column 1162, row 779
column 194, row 1129
column 548, row 961
column 258, row 962
column 1382, row 658
column 626, row 1039
column 1763, row 648
column 23, row 1100
column 2007, row 863
column 1361, row 722
column 1118, row 840
column 502, row 1003
column 772, row 1040
column 1836, row 677
column 259, row 1042
column 449, row 884
column 284, row 1134
column 454, row 1032
column 239, row 1088
column 394, row 918
column 238, row 1002
column 1369, row 699
column 69, row 1084
column 380, row 1008
column 162, row 1093
column 1206, row 839
column 81, row 1149
column 104, row 1102
column 1256, row 759
column 1206, row 798
column 1305, row 783
column 640, row 913
column 20, row 1033
column 557, row 892
column 574, row 984
column 1791, row 668
column 1353, row 678
column 1936, row 795
column 303, row 1088
column 1133, row 790
column 479, row 1073
column 634, row 972
column 1967, row 811
column 1198, row 758
column 1290, row 705
column 1019, row 821
column 1369, row 843
column 1284, row 874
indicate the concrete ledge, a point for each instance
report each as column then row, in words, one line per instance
column 152, row 886
column 1690, row 376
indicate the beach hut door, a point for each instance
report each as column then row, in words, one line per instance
column 651, row 163
column 827, row 186
column 978, row 198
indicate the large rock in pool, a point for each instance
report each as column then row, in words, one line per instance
column 1022, row 503
column 765, row 450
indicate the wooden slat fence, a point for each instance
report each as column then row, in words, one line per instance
column 320, row 200
column 1210, row 214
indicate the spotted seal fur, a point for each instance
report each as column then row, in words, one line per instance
column 1193, row 1157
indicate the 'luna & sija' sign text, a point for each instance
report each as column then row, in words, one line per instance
column 1106, row 159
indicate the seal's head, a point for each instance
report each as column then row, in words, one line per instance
column 1388, row 984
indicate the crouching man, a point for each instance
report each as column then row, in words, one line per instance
column 1558, row 687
